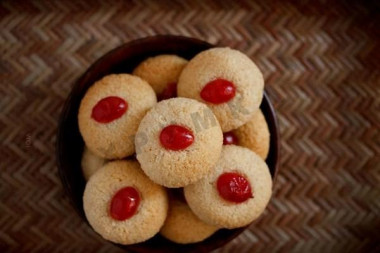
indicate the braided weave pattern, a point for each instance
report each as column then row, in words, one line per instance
column 322, row 71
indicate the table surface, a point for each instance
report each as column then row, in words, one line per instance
column 322, row 71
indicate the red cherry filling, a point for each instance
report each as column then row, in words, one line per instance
column 176, row 137
column 169, row 92
column 218, row 91
column 124, row 203
column 234, row 187
column 109, row 109
column 230, row 138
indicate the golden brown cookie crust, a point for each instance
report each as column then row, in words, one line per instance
column 205, row 201
column 231, row 65
column 105, row 183
column 183, row 226
column 90, row 163
column 161, row 70
column 115, row 140
column 179, row 168
column 255, row 135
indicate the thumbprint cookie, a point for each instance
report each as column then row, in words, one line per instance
column 235, row 193
column 110, row 113
column 178, row 142
column 162, row 73
column 226, row 80
column 123, row 205
column 253, row 135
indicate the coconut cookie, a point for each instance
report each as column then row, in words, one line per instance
column 123, row 205
column 162, row 73
column 91, row 163
column 235, row 193
column 227, row 81
column 178, row 142
column 110, row 113
column 182, row 226
column 253, row 135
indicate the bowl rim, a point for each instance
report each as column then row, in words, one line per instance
column 67, row 108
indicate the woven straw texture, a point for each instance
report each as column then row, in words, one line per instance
column 321, row 63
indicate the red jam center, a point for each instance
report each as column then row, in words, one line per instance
column 230, row 138
column 234, row 187
column 169, row 92
column 176, row 137
column 218, row 91
column 109, row 109
column 124, row 203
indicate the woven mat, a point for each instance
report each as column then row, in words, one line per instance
column 322, row 70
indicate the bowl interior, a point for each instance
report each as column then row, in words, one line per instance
column 70, row 143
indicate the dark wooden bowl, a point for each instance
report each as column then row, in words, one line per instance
column 70, row 143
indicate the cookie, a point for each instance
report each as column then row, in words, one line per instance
column 123, row 205
column 90, row 163
column 182, row 226
column 162, row 73
column 227, row 81
column 110, row 113
column 253, row 135
column 178, row 142
column 235, row 193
